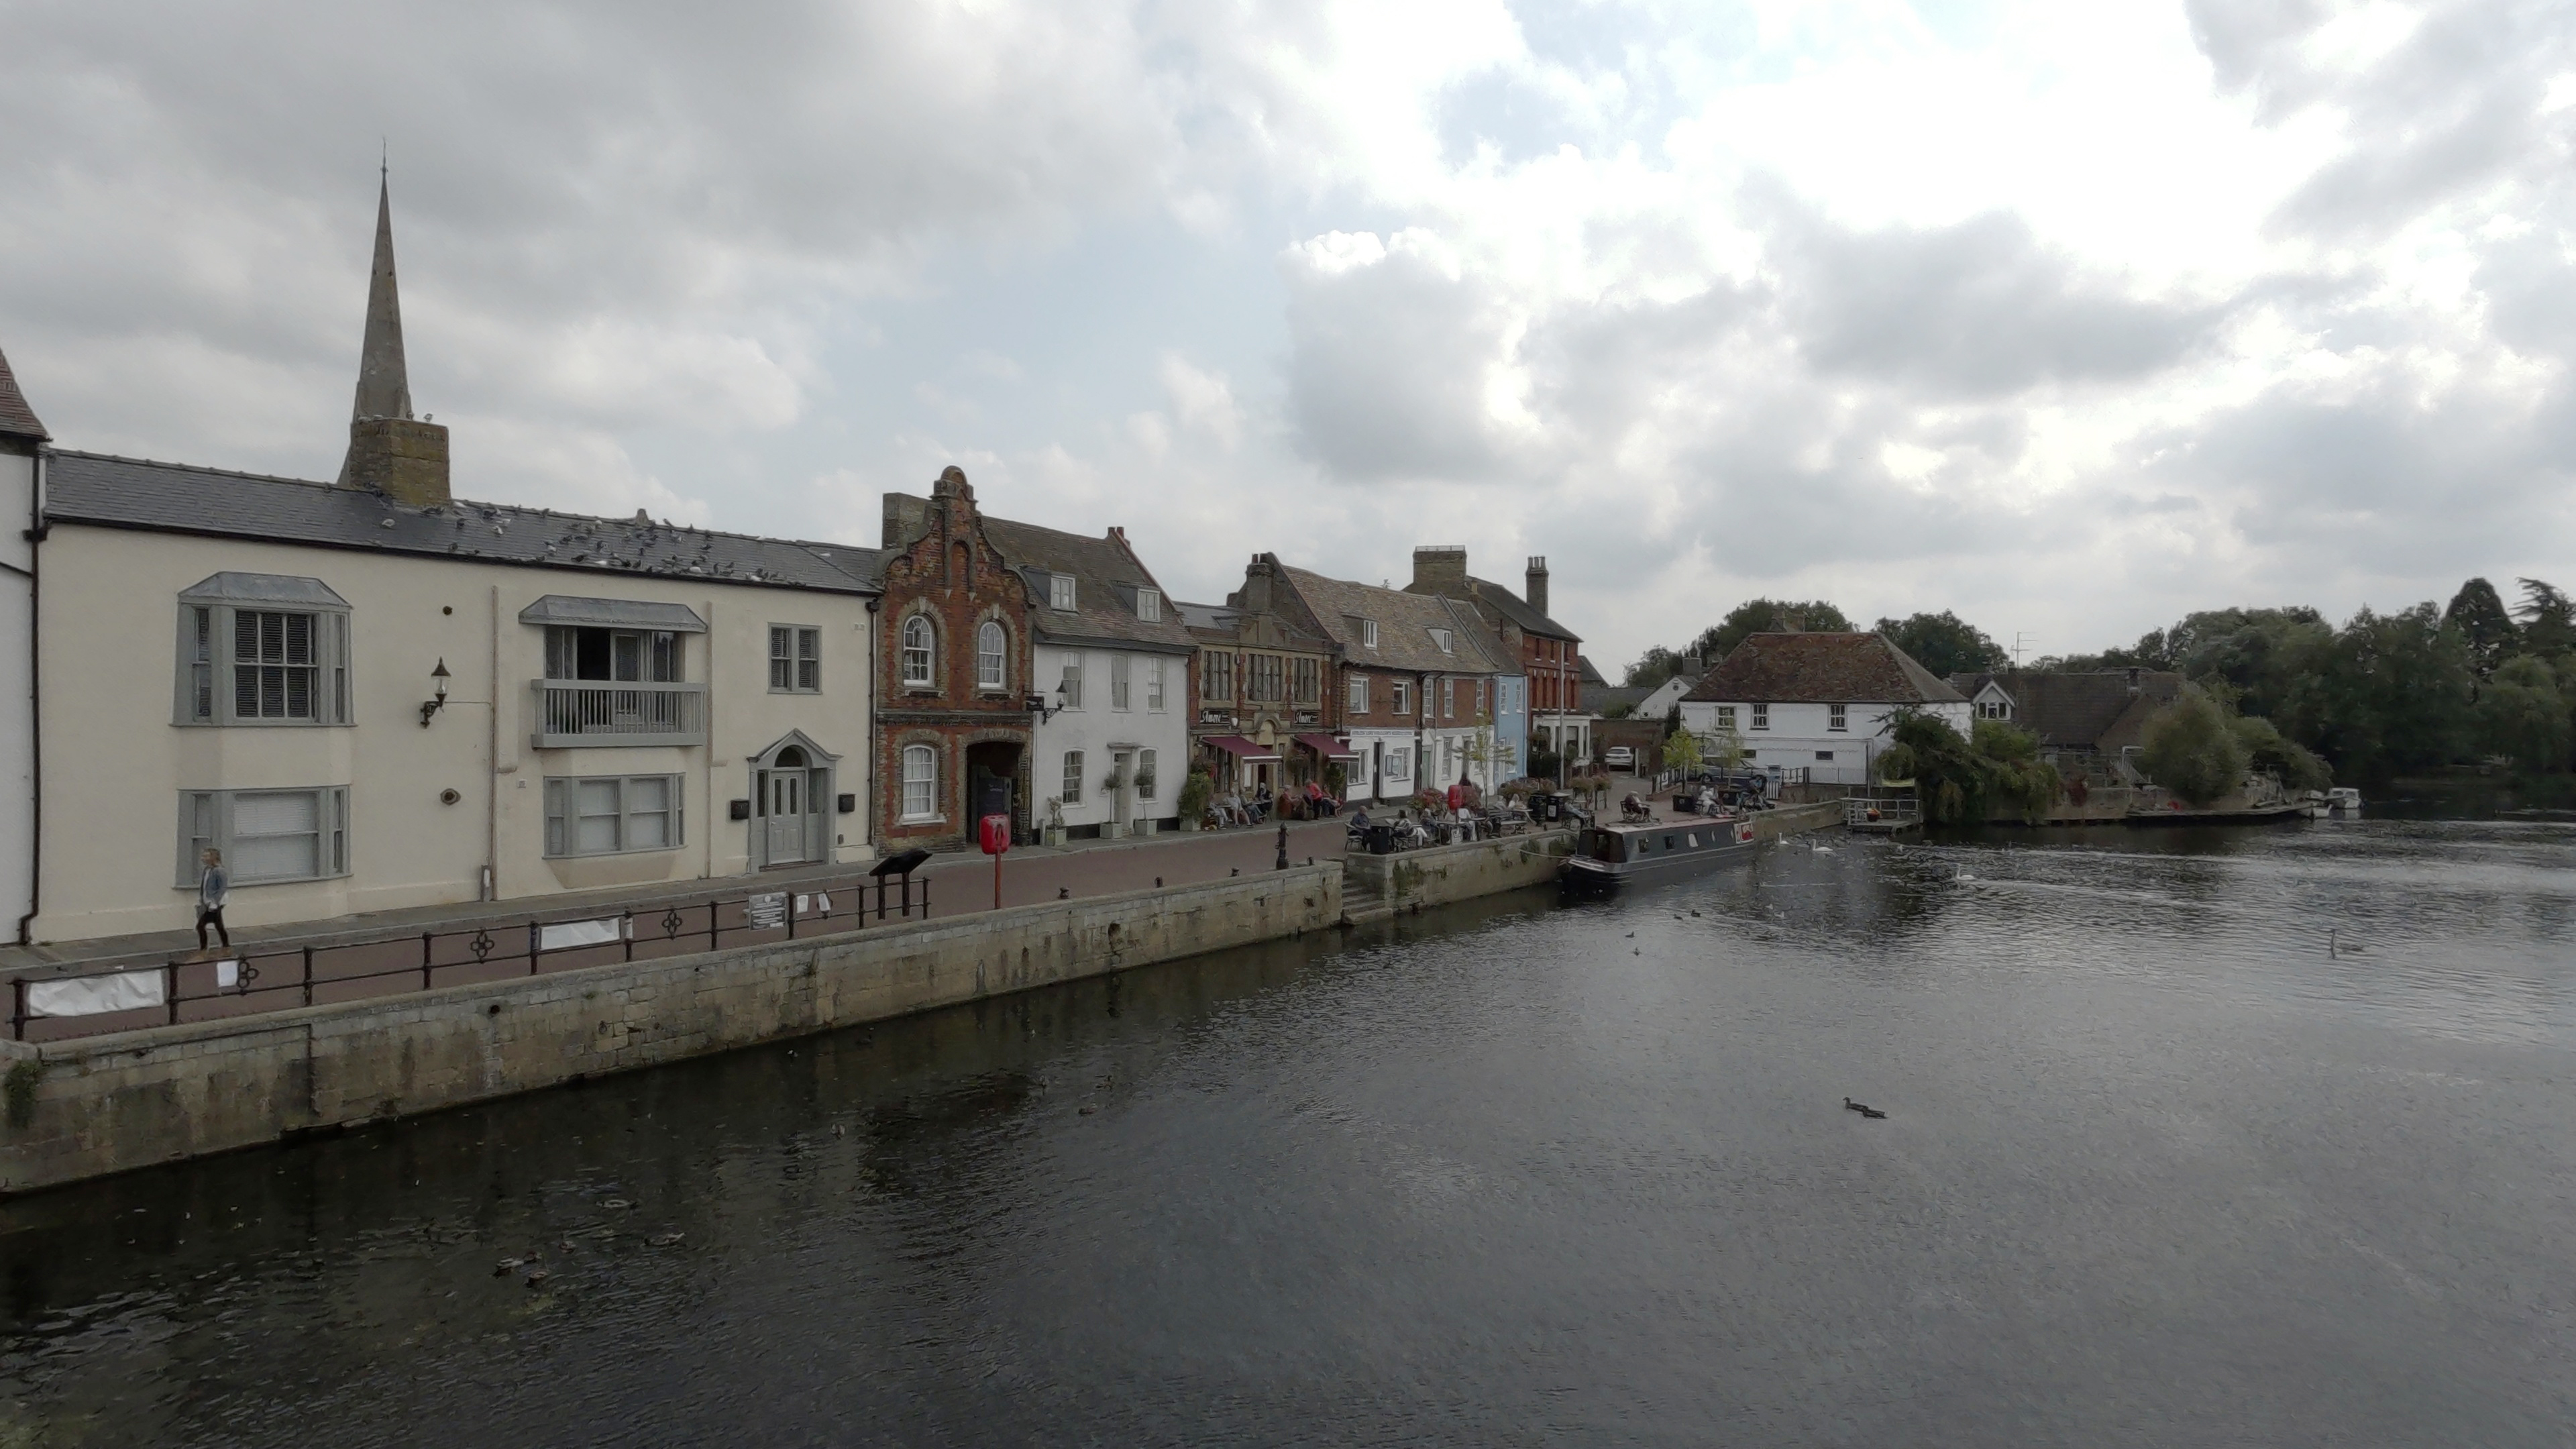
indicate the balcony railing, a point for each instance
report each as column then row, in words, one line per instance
column 591, row 714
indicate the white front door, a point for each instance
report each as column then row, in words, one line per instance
column 785, row 801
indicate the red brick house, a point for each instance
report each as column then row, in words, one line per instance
column 953, row 718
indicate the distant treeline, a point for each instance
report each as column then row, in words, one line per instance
column 2381, row 695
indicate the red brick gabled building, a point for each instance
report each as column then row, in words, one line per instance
column 953, row 687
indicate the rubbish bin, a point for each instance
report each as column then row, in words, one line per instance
column 1381, row 840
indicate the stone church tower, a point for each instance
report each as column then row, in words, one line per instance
column 389, row 449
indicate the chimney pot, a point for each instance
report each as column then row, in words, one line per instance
column 1534, row 588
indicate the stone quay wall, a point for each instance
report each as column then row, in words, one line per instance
column 1438, row 874
column 105, row 1104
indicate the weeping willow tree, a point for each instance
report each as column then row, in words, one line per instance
column 1967, row 779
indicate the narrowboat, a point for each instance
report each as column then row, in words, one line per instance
column 1609, row 857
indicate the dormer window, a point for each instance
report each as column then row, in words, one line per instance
column 1368, row 633
column 1060, row 592
column 1447, row 641
column 1149, row 605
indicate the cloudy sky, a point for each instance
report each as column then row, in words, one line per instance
column 2071, row 317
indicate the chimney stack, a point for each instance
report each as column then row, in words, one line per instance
column 1440, row 570
column 1535, row 590
column 390, row 450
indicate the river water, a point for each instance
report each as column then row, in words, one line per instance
column 2157, row 1170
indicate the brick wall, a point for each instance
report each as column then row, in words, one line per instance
column 941, row 569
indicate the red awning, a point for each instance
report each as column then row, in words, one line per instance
column 1238, row 745
column 1328, row 747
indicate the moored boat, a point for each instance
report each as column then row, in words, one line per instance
column 1609, row 857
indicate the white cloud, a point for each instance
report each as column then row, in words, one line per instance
column 2069, row 317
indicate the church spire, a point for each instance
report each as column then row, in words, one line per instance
column 384, row 387
column 389, row 449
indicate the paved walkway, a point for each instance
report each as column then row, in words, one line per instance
column 961, row 884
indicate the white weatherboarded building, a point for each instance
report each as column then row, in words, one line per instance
column 21, row 491
column 1816, row 706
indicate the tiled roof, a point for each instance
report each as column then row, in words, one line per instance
column 1106, row 578
column 17, row 420
column 2089, row 710
column 114, row 492
column 1822, row 669
column 1404, row 625
column 1513, row 607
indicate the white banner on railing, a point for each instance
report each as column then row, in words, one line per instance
column 768, row 911
column 580, row 933
column 95, row 995
column 227, row 975
column 817, row 904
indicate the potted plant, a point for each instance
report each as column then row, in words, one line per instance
column 1335, row 781
column 1053, row 832
column 1194, row 798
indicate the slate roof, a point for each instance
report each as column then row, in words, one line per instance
column 1404, row 625
column 17, row 420
column 111, row 492
column 1106, row 577
column 1822, row 669
column 1513, row 607
column 2088, row 710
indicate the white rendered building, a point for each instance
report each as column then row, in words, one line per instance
column 1817, row 707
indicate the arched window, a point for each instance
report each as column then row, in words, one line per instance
column 916, row 650
column 992, row 670
column 920, row 782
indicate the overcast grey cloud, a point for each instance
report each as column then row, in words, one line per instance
column 2069, row 318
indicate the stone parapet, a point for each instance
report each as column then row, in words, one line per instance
column 107, row 1104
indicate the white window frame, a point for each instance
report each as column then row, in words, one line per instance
column 1154, row 698
column 1447, row 641
column 1148, row 776
column 1060, row 592
column 1993, row 709
column 1448, row 697
column 564, row 814
column 1072, row 781
column 993, row 665
column 206, row 818
column 1761, row 716
column 1359, row 694
column 795, row 660
column 1399, row 764
column 1824, row 754
column 1403, row 698
column 1838, row 718
column 1120, row 694
column 207, row 689
column 920, row 783
column 1149, row 605
column 1073, row 681
column 1726, row 716
column 920, row 660
column 1368, row 633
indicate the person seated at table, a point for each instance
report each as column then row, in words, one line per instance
column 1319, row 804
column 1229, row 809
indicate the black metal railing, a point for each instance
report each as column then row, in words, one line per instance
column 251, row 980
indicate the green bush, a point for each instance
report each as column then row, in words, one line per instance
column 2266, row 748
column 2522, row 713
column 2192, row 749
column 1967, row 781
column 1194, row 794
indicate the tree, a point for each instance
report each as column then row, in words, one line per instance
column 2548, row 620
column 1944, row 643
column 1652, row 668
column 1681, row 751
column 2522, row 713
column 1967, row 780
column 2478, row 612
column 1764, row 616
column 2191, row 749
column 2388, row 693
column 1724, row 748
column 2266, row 748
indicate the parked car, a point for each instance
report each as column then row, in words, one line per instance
column 1620, row 757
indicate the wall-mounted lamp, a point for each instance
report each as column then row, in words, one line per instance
column 432, row 705
column 1038, row 705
